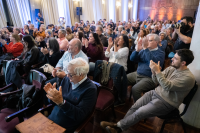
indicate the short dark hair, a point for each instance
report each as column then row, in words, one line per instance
column 188, row 19
column 29, row 21
column 186, row 55
column 81, row 28
column 53, row 44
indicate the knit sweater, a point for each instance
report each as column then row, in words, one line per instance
column 143, row 58
column 174, row 85
column 79, row 104
column 16, row 49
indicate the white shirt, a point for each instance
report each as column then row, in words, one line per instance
column 119, row 57
column 74, row 86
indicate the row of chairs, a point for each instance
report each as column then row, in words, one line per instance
column 105, row 101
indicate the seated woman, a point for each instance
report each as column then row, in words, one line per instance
column 69, row 35
column 29, row 57
column 93, row 48
column 79, row 35
column 40, row 42
column 163, row 43
column 141, row 35
column 48, row 34
column 15, row 47
column 119, row 52
column 132, row 34
column 25, row 30
column 41, row 32
column 52, row 56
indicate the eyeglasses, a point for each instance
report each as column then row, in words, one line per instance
column 70, row 75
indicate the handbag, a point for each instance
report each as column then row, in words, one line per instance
column 47, row 68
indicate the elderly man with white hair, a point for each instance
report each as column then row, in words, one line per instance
column 74, row 51
column 146, row 50
column 75, row 99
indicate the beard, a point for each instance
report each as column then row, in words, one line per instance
column 175, row 66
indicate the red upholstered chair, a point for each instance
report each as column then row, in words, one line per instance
column 105, row 100
column 9, row 118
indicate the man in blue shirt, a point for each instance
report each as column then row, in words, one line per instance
column 146, row 50
column 40, row 20
column 75, row 99
column 74, row 51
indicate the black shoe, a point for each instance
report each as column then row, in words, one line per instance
column 118, row 103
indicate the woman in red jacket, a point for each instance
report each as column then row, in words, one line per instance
column 15, row 47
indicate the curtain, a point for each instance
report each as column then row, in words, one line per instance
column 106, row 10
column 87, row 10
column 24, row 10
column 135, row 9
column 2, row 16
column 98, row 9
column 13, row 11
column 71, row 11
column 50, row 12
column 112, row 8
column 125, row 10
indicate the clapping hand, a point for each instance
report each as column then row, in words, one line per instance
column 53, row 94
column 116, row 41
column 44, row 50
column 145, row 43
column 110, row 42
column 139, row 46
column 155, row 68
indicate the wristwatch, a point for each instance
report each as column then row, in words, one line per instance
column 62, row 103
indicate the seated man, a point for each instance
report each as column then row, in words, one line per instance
column 76, row 97
column 74, row 51
column 99, row 31
column 63, row 42
column 175, row 82
column 141, row 80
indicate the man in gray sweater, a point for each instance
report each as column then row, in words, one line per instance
column 175, row 82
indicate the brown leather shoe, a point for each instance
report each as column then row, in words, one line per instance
column 104, row 124
column 113, row 129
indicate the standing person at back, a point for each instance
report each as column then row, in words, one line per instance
column 40, row 20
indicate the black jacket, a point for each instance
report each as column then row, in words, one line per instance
column 12, row 76
column 52, row 59
column 116, row 73
column 31, row 57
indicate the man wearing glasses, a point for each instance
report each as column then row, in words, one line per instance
column 146, row 50
column 74, row 51
column 75, row 99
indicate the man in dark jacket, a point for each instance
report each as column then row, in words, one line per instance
column 76, row 97
column 99, row 31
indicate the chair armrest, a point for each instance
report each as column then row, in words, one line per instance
column 82, row 126
column 6, row 87
column 10, row 93
column 47, row 108
column 18, row 114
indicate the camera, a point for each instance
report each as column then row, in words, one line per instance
column 177, row 25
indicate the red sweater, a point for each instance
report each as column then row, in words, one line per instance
column 16, row 49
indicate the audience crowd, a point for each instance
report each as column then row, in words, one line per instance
column 66, row 55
